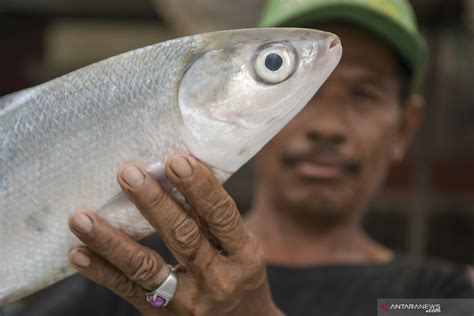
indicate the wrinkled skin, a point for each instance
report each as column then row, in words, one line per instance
column 226, row 281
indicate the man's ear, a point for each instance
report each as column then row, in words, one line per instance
column 411, row 117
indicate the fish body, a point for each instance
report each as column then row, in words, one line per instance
column 217, row 96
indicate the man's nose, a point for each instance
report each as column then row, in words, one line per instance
column 326, row 122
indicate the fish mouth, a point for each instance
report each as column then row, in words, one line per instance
column 335, row 42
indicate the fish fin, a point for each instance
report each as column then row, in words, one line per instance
column 122, row 214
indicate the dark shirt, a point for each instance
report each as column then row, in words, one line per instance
column 343, row 289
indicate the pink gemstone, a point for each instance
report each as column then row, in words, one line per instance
column 157, row 301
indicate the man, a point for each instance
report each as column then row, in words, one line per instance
column 314, row 182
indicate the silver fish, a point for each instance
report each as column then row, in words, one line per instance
column 218, row 96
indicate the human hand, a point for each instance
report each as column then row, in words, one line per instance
column 210, row 281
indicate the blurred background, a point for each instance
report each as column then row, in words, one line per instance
column 427, row 207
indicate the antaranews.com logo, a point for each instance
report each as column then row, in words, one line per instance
column 426, row 307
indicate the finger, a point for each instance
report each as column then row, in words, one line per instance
column 208, row 197
column 179, row 231
column 98, row 270
column 140, row 264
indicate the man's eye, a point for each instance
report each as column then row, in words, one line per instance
column 364, row 94
column 360, row 92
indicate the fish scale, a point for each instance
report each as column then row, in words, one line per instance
column 63, row 141
column 52, row 138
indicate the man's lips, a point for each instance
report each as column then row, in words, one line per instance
column 323, row 168
column 309, row 169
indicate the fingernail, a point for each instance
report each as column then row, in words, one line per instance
column 80, row 259
column 83, row 223
column 133, row 176
column 181, row 167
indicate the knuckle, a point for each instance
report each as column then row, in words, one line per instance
column 221, row 212
column 259, row 261
column 227, row 290
column 255, row 256
column 152, row 200
column 251, row 256
column 224, row 292
column 255, row 270
column 107, row 244
column 144, row 266
column 186, row 233
column 121, row 284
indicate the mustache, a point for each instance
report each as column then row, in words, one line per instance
column 324, row 154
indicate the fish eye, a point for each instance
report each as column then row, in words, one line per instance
column 274, row 63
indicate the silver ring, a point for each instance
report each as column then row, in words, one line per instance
column 165, row 292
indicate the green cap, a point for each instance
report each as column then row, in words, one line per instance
column 392, row 20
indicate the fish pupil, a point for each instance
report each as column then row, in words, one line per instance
column 273, row 62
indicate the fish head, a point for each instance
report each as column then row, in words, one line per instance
column 246, row 85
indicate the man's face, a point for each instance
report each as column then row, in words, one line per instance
column 333, row 156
